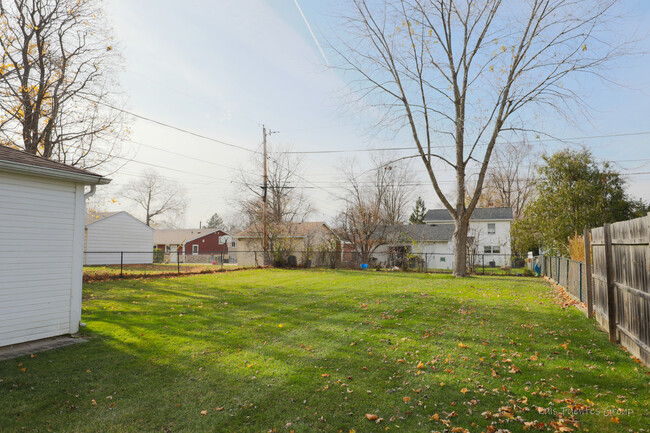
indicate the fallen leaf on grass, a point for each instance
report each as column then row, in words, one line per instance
column 219, row 409
column 325, row 375
column 204, row 412
column 464, row 390
column 93, row 402
column 371, row 416
column 462, row 346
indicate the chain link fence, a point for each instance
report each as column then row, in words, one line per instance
column 101, row 265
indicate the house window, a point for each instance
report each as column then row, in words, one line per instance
column 492, row 229
column 233, row 244
column 487, row 249
column 496, row 249
column 195, row 249
column 443, row 259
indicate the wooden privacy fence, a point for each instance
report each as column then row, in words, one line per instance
column 613, row 282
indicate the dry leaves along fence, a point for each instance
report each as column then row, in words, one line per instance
column 616, row 289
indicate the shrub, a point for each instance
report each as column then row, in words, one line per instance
column 158, row 255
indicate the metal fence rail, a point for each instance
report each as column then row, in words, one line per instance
column 152, row 262
column 570, row 274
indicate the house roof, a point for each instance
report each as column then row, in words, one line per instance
column 179, row 236
column 293, row 230
column 21, row 161
column 485, row 213
column 93, row 217
column 419, row 233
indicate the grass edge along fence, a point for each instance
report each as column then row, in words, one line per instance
column 614, row 281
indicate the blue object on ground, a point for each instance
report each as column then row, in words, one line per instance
column 364, row 265
column 537, row 269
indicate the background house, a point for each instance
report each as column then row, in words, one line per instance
column 300, row 240
column 192, row 245
column 108, row 234
column 489, row 232
column 42, row 217
column 417, row 245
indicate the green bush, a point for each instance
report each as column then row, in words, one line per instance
column 158, row 255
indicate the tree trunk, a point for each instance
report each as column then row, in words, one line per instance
column 460, row 247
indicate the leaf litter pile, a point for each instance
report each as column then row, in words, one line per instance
column 331, row 351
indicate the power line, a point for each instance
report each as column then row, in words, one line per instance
column 541, row 140
column 167, row 125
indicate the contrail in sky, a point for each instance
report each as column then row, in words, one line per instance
column 312, row 33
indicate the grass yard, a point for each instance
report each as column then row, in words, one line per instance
column 98, row 273
column 315, row 351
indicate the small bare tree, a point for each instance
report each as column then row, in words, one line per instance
column 375, row 200
column 158, row 197
column 461, row 73
column 286, row 201
column 57, row 72
column 510, row 180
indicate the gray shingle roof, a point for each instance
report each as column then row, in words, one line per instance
column 420, row 233
column 178, row 236
column 93, row 217
column 486, row 213
column 20, row 157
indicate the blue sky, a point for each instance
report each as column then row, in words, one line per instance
column 222, row 69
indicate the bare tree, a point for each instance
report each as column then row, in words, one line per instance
column 375, row 200
column 158, row 197
column 510, row 180
column 395, row 180
column 286, row 201
column 460, row 73
column 57, row 69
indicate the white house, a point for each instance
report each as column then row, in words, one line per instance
column 489, row 233
column 117, row 237
column 417, row 245
column 42, row 218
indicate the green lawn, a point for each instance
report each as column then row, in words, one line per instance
column 98, row 273
column 315, row 350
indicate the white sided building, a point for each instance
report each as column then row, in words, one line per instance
column 113, row 238
column 489, row 233
column 42, row 218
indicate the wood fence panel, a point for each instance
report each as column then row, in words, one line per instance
column 599, row 275
column 631, row 258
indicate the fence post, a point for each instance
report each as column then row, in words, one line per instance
column 222, row 260
column 178, row 262
column 483, row 262
column 611, row 286
column 590, row 281
column 580, row 281
column 121, row 264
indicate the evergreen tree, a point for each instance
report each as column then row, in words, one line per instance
column 417, row 217
column 215, row 222
column 574, row 192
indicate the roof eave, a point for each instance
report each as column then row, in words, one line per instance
column 87, row 179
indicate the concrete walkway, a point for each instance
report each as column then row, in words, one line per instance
column 16, row 350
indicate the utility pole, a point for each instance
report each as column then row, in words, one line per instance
column 265, row 244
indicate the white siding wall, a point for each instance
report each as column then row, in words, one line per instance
column 500, row 238
column 439, row 255
column 39, row 244
column 119, row 232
